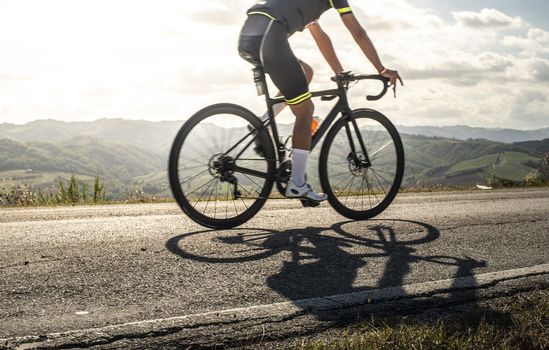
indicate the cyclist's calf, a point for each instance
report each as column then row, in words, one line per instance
column 302, row 129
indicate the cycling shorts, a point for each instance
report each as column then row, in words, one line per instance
column 264, row 41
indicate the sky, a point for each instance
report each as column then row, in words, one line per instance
column 468, row 62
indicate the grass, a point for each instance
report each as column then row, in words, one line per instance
column 482, row 162
column 509, row 165
column 520, row 323
column 40, row 178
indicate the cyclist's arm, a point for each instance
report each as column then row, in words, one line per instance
column 362, row 39
column 364, row 42
column 326, row 48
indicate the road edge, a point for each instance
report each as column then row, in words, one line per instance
column 183, row 327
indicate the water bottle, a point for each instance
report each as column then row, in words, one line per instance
column 315, row 122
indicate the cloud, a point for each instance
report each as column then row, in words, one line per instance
column 487, row 18
column 217, row 13
column 528, row 96
column 529, row 106
column 169, row 59
column 537, row 40
column 540, row 70
column 14, row 77
column 464, row 69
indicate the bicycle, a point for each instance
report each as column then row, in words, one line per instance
column 215, row 170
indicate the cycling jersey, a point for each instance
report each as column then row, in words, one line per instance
column 295, row 15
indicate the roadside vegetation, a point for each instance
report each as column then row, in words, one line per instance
column 72, row 192
column 21, row 192
column 520, row 323
column 79, row 192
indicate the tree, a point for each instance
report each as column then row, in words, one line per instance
column 98, row 190
column 84, row 192
column 62, row 195
column 74, row 191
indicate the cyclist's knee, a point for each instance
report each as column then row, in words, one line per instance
column 304, row 109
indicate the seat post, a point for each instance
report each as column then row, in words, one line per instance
column 260, row 80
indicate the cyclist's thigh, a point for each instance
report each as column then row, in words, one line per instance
column 251, row 36
column 282, row 66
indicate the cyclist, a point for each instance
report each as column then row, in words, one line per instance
column 264, row 40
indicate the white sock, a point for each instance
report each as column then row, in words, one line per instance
column 277, row 108
column 299, row 166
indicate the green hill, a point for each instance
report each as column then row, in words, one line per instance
column 85, row 157
column 429, row 161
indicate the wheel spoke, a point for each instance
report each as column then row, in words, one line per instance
column 188, row 194
column 203, row 193
column 227, row 203
column 375, row 187
column 371, row 189
column 380, row 185
column 336, row 186
column 376, row 172
column 219, row 134
column 209, row 196
column 258, row 185
column 382, row 171
column 193, row 168
column 194, row 176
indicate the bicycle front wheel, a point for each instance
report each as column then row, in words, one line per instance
column 360, row 186
column 216, row 177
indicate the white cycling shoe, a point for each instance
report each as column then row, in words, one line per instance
column 304, row 192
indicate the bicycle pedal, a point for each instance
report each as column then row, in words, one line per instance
column 309, row 203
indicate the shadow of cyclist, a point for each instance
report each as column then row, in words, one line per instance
column 326, row 261
column 319, row 266
column 324, row 265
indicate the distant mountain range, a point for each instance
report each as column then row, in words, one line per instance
column 460, row 132
column 144, row 134
column 134, row 153
column 158, row 135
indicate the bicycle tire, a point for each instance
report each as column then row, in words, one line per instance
column 185, row 202
column 334, row 194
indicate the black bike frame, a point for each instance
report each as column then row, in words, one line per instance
column 342, row 106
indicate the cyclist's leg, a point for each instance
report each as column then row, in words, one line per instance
column 289, row 75
column 251, row 36
column 280, row 106
column 308, row 70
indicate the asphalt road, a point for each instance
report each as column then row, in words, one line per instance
column 64, row 269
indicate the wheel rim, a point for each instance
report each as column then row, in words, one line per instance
column 356, row 184
column 212, row 188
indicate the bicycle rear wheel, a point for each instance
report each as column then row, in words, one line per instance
column 216, row 177
column 356, row 189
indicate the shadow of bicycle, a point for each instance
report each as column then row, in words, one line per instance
column 325, row 261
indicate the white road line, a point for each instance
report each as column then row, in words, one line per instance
column 282, row 309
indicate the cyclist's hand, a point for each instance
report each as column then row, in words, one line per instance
column 393, row 76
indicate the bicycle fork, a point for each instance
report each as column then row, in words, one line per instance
column 353, row 157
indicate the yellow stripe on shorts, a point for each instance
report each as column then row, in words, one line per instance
column 299, row 98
